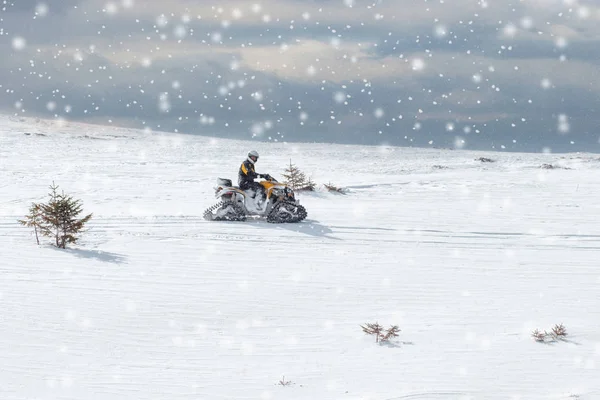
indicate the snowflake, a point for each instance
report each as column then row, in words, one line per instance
column 459, row 142
column 561, row 42
column 440, row 31
column 111, row 8
column 546, row 84
column 563, row 124
column 236, row 13
column 510, row 30
column 378, row 113
column 164, row 104
column 162, row 21
column 180, row 31
column 127, row 3
column 583, row 12
column 526, row 22
column 41, row 10
column 339, row 97
column 19, row 43
column 418, row 64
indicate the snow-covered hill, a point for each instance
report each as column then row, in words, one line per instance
column 466, row 257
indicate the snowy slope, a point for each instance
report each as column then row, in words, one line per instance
column 156, row 303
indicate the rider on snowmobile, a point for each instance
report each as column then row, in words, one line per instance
column 247, row 175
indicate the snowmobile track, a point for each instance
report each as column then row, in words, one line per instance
column 286, row 212
column 236, row 213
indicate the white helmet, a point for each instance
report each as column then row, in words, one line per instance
column 253, row 156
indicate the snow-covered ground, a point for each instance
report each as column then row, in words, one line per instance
column 466, row 257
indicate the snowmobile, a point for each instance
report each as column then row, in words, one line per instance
column 277, row 205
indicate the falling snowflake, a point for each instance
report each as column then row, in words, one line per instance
column 563, row 124
column 339, row 97
column 583, row 12
column 162, row 21
column 546, row 83
column 41, row 10
column 311, row 70
column 111, row 8
column 418, row 64
column 19, row 43
column 449, row 126
column 561, row 42
column 378, row 113
column 459, row 142
column 51, row 106
column 146, row 62
column 440, row 31
column 510, row 30
column 180, row 31
column 526, row 23
column 349, row 3
column 164, row 104
column 236, row 13
column 476, row 78
column 127, row 3
column 257, row 130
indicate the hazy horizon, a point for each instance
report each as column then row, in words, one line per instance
column 461, row 74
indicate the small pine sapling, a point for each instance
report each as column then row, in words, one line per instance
column 60, row 218
column 309, row 185
column 33, row 220
column 381, row 334
column 559, row 331
column 294, row 177
column 283, row 382
column 538, row 336
column 373, row 329
column 391, row 332
column 332, row 188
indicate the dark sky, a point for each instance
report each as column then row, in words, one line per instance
column 518, row 75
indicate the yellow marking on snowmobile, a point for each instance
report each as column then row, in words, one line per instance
column 267, row 185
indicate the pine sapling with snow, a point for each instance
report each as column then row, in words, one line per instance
column 295, row 178
column 59, row 218
column 381, row 334
column 33, row 220
column 333, row 188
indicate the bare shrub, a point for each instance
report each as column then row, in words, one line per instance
column 558, row 332
column 381, row 334
column 283, row 382
column 333, row 188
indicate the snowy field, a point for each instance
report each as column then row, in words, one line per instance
column 466, row 257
